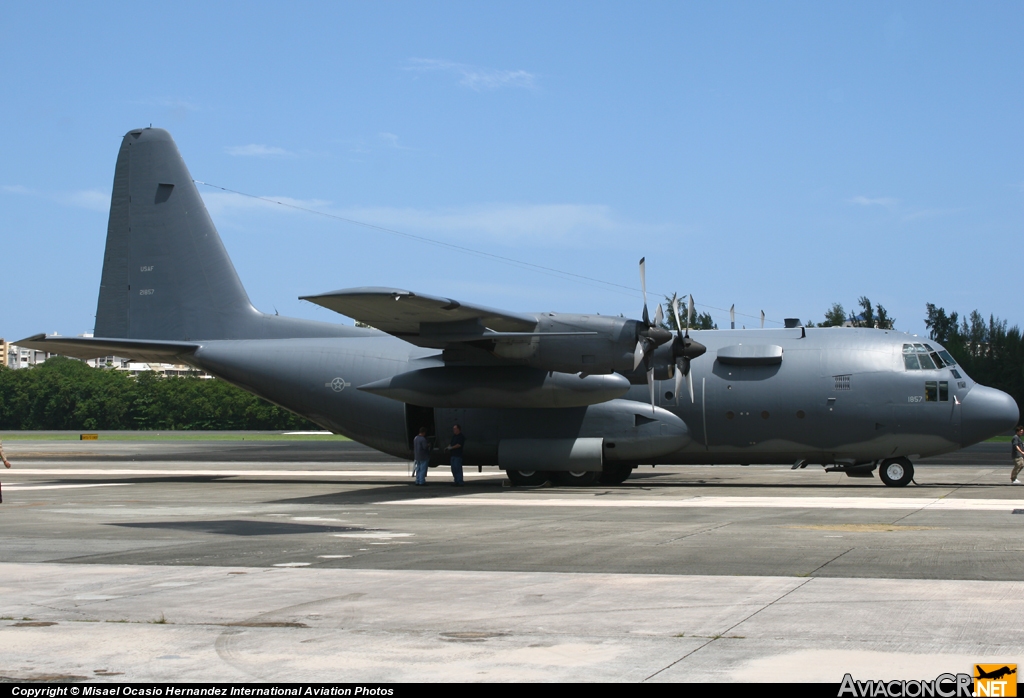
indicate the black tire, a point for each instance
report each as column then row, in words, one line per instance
column 615, row 474
column 896, row 472
column 581, row 478
column 527, row 478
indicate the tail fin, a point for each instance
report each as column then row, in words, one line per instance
column 166, row 274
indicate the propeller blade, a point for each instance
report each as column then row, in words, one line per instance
column 675, row 310
column 643, row 286
column 638, row 355
column 679, row 380
column 689, row 314
column 658, row 317
column 689, row 383
column 732, row 317
column 762, row 319
column 650, row 384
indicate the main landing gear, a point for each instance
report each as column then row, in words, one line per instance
column 611, row 475
column 896, row 472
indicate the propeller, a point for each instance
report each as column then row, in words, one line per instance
column 649, row 335
column 684, row 348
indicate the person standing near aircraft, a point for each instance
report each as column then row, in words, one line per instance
column 7, row 464
column 421, row 456
column 455, row 448
column 1017, row 449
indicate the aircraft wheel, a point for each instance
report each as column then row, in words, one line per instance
column 896, row 472
column 579, row 478
column 527, row 478
column 615, row 474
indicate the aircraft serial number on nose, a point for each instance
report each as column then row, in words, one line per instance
column 915, row 398
column 147, row 292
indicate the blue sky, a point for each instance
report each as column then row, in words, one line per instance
column 779, row 156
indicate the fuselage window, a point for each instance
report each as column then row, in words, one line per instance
column 936, row 391
column 911, row 362
column 956, row 374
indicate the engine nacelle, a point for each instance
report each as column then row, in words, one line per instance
column 497, row 387
column 609, row 350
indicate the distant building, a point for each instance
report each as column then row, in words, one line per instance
column 17, row 357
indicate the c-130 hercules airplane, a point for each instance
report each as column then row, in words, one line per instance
column 541, row 395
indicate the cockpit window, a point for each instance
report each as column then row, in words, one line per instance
column 923, row 356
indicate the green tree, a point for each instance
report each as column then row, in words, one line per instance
column 988, row 350
column 876, row 316
column 68, row 394
column 701, row 321
column 834, row 316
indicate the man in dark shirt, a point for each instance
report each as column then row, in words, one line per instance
column 421, row 456
column 1017, row 450
column 455, row 449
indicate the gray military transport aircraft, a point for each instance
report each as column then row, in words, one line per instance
column 540, row 395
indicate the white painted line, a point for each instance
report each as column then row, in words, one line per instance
column 373, row 534
column 444, row 476
column 21, row 488
column 732, row 502
column 293, row 564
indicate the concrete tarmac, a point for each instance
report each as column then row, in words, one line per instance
column 317, row 561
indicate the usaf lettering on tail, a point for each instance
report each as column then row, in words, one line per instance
column 577, row 398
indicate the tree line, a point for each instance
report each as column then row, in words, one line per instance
column 65, row 394
column 991, row 352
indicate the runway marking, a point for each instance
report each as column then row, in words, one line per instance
column 732, row 502
column 20, row 488
column 444, row 476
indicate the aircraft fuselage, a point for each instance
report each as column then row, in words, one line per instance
column 839, row 395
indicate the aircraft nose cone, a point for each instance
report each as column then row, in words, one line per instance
column 987, row 412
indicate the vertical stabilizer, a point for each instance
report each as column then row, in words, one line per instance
column 166, row 274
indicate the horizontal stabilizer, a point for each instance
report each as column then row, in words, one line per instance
column 95, row 347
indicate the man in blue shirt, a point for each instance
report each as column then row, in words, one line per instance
column 421, row 456
column 455, row 449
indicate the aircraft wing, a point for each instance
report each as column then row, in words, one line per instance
column 95, row 347
column 427, row 321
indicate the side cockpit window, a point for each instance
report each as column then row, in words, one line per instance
column 925, row 357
